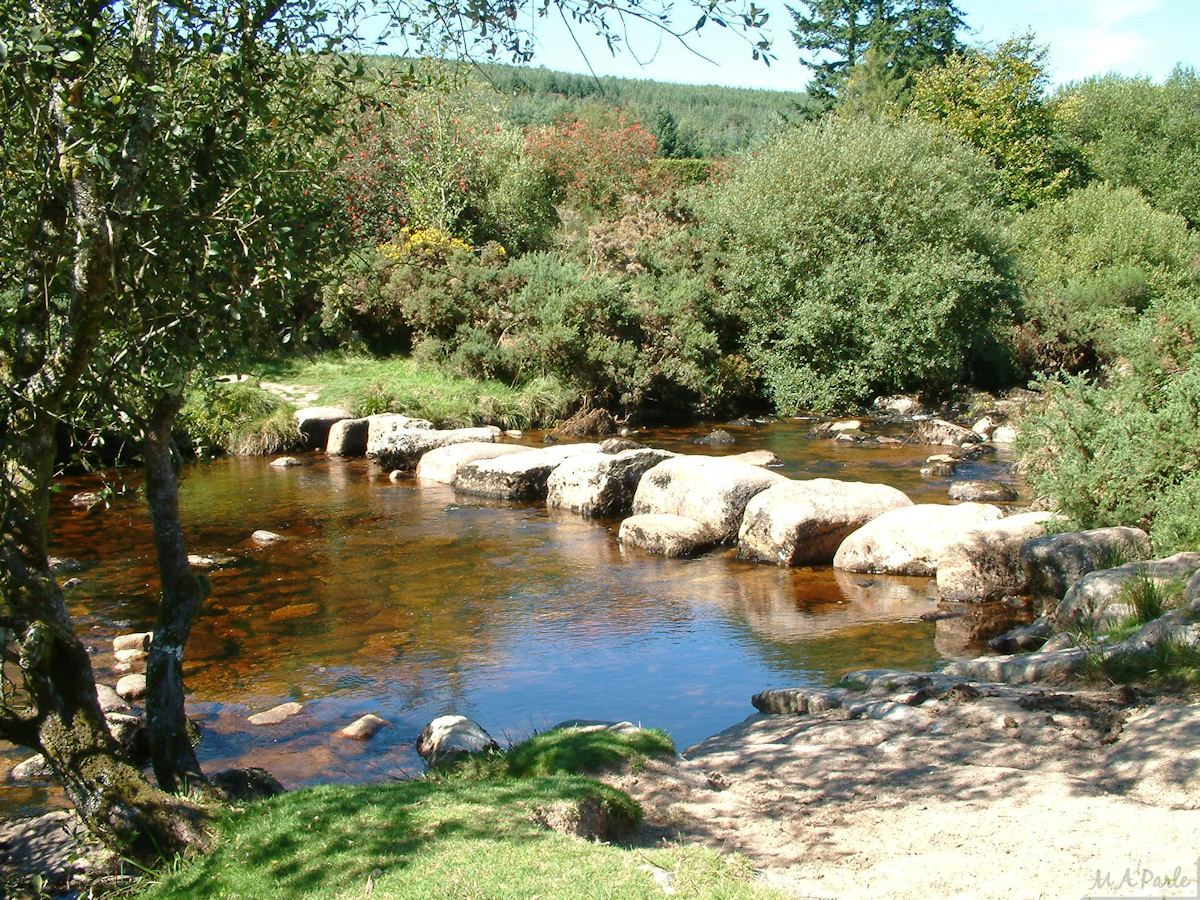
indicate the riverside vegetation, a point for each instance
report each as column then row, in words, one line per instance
column 422, row 243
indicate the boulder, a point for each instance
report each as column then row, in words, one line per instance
column 1004, row 434
column 519, row 476
column 899, row 405
column 36, row 768
column 1097, row 599
column 138, row 640
column 365, row 727
column 1024, row 638
column 132, row 687
column 713, row 492
column 600, row 484
column 587, row 423
column 130, row 732
column 910, row 540
column 802, row 523
column 755, row 458
column 402, row 448
column 665, row 534
column 380, row 425
column 985, row 426
column 984, row 562
column 619, row 444
column 1055, row 562
column 450, row 739
column 262, row 536
column 285, row 462
column 943, row 433
column 981, row 492
column 348, row 438
column 443, row 464
column 940, row 465
column 314, row 423
column 718, row 437
column 110, row 700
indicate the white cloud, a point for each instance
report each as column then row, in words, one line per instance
column 1097, row 52
column 1109, row 13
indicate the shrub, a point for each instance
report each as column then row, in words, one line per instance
column 1091, row 263
column 863, row 258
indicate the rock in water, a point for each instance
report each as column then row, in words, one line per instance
column 981, row 492
column 910, row 540
column 365, row 728
column 348, row 438
column 314, row 423
column 600, row 484
column 984, row 562
column 404, row 447
column 710, row 491
column 802, row 523
column 666, row 534
column 946, row 434
column 521, row 476
column 450, row 739
column 276, row 714
column 443, row 464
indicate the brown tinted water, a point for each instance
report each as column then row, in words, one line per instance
column 405, row 600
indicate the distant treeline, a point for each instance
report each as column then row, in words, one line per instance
column 689, row 121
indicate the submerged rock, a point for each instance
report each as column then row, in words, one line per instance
column 666, row 534
column 365, row 727
column 450, row 739
column 801, row 523
column 276, row 714
column 910, row 540
column 404, row 447
column 285, row 462
column 711, row 491
column 1055, row 562
column 520, row 476
column 600, row 484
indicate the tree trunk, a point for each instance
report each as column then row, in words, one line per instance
column 55, row 709
column 183, row 591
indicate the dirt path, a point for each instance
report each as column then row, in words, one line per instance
column 945, row 792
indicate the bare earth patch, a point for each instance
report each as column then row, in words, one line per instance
column 985, row 791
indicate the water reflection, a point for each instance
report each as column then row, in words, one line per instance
column 408, row 601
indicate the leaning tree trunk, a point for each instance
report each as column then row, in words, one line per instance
column 54, row 708
column 183, row 592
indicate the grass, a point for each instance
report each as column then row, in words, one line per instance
column 473, row 833
column 240, row 419
column 1169, row 665
column 364, row 385
column 570, row 750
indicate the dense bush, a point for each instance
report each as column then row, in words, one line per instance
column 1090, row 264
column 1138, row 133
column 863, row 258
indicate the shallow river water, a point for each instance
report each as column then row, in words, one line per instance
column 405, row 600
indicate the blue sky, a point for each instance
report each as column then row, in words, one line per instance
column 1086, row 37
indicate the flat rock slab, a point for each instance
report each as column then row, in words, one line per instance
column 443, row 464
column 403, row 448
column 665, row 534
column 711, row 491
column 984, row 562
column 910, row 540
column 600, row 484
column 1055, row 562
column 802, row 523
column 314, row 423
column 348, row 438
column 519, row 476
column 1097, row 599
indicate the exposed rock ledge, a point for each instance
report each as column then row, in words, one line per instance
column 931, row 786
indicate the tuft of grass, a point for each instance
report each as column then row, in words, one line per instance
column 364, row 385
column 454, row 836
column 570, row 750
column 238, row 418
column 1167, row 665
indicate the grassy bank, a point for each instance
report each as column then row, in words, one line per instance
column 255, row 415
column 478, row 832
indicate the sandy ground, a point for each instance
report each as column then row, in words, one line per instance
column 989, row 791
